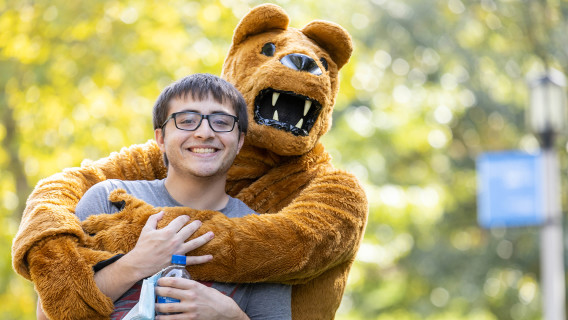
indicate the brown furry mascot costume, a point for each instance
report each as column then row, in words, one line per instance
column 312, row 215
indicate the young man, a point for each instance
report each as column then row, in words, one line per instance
column 194, row 126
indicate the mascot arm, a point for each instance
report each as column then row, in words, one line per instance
column 51, row 206
column 50, row 238
column 64, row 279
column 320, row 229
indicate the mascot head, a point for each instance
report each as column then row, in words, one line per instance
column 289, row 77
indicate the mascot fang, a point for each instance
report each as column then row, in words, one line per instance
column 313, row 215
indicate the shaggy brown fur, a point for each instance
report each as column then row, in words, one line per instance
column 313, row 215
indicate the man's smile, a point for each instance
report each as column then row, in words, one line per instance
column 203, row 150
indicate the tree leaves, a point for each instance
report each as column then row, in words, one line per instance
column 429, row 87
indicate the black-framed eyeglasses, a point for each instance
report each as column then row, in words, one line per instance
column 190, row 121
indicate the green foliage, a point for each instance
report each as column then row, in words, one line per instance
column 430, row 86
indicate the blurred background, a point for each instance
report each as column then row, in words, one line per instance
column 430, row 86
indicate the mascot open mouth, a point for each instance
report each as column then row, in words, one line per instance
column 286, row 110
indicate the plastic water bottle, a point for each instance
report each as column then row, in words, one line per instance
column 176, row 270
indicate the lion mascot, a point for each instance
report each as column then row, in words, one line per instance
column 312, row 215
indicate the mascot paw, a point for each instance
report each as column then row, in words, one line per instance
column 118, row 232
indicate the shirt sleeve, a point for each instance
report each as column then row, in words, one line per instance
column 95, row 201
column 270, row 301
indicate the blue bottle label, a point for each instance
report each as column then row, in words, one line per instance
column 167, row 300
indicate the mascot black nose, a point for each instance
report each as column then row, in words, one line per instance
column 301, row 62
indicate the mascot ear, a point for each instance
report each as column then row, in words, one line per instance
column 331, row 37
column 260, row 19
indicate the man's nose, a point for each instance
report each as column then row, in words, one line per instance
column 204, row 130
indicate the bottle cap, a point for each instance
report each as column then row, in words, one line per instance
column 178, row 259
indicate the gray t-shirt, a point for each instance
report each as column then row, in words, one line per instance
column 258, row 301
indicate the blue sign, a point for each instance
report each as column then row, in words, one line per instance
column 510, row 189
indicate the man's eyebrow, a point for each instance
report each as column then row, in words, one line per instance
column 214, row 112
column 190, row 110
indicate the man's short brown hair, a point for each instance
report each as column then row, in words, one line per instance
column 200, row 86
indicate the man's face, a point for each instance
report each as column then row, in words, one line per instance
column 203, row 152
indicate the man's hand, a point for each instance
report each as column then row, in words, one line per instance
column 197, row 301
column 154, row 248
column 152, row 253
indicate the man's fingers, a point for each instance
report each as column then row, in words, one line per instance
column 152, row 221
column 168, row 308
column 168, row 285
column 191, row 260
column 178, row 223
column 197, row 242
column 189, row 229
column 174, row 290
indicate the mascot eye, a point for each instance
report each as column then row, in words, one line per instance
column 324, row 63
column 268, row 49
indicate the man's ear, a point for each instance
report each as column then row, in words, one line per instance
column 241, row 141
column 159, row 137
